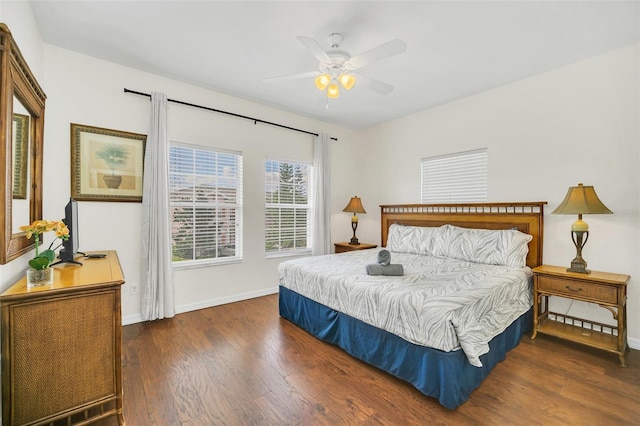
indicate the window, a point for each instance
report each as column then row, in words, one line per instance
column 455, row 178
column 288, row 208
column 205, row 189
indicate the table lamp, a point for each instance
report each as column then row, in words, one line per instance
column 580, row 200
column 354, row 206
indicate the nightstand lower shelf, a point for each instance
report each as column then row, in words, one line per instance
column 585, row 336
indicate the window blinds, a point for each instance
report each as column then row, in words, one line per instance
column 205, row 188
column 288, row 203
column 455, row 178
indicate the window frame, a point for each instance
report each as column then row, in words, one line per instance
column 308, row 207
column 237, row 207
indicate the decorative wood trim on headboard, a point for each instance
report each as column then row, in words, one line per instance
column 526, row 217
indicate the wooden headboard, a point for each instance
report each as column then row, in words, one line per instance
column 525, row 217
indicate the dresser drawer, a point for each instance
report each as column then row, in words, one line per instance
column 578, row 289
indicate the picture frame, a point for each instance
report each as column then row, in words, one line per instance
column 20, row 155
column 106, row 164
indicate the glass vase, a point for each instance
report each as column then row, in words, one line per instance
column 39, row 277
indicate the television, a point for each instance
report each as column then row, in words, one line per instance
column 70, row 246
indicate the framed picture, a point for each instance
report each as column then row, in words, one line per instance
column 106, row 165
column 20, row 155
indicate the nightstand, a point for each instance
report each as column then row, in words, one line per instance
column 605, row 289
column 343, row 247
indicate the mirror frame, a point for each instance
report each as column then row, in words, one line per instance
column 17, row 79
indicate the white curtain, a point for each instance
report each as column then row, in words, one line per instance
column 322, row 205
column 156, row 268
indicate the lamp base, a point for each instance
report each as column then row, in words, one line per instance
column 354, row 226
column 579, row 266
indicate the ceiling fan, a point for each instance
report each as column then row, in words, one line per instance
column 337, row 66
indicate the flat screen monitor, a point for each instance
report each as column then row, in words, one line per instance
column 70, row 246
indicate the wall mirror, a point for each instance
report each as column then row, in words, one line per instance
column 21, row 140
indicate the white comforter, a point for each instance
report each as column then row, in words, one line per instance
column 441, row 303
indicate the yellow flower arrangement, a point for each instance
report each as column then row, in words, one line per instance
column 43, row 260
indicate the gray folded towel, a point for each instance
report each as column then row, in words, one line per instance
column 384, row 257
column 377, row 269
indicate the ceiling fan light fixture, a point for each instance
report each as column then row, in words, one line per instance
column 347, row 81
column 335, row 66
column 322, row 81
column 333, row 91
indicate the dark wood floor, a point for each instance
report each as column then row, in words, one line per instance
column 241, row 364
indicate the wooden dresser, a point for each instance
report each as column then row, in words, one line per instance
column 61, row 346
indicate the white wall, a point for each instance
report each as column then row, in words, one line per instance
column 17, row 15
column 579, row 123
column 89, row 91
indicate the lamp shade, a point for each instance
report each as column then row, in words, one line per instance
column 333, row 91
column 347, row 81
column 322, row 81
column 354, row 206
column 581, row 200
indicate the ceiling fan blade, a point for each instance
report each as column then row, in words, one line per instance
column 372, row 84
column 315, row 48
column 390, row 48
column 291, row 77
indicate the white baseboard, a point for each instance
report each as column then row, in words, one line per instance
column 132, row 319
column 224, row 300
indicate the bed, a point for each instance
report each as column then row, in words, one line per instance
column 463, row 302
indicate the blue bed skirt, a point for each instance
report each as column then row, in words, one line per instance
column 446, row 376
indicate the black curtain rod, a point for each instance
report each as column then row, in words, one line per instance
column 255, row 120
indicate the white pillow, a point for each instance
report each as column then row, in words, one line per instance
column 412, row 239
column 507, row 247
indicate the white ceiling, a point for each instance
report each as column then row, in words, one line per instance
column 454, row 48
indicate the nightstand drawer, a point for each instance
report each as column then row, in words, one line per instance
column 344, row 247
column 585, row 290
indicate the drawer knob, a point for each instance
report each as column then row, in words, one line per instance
column 579, row 289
